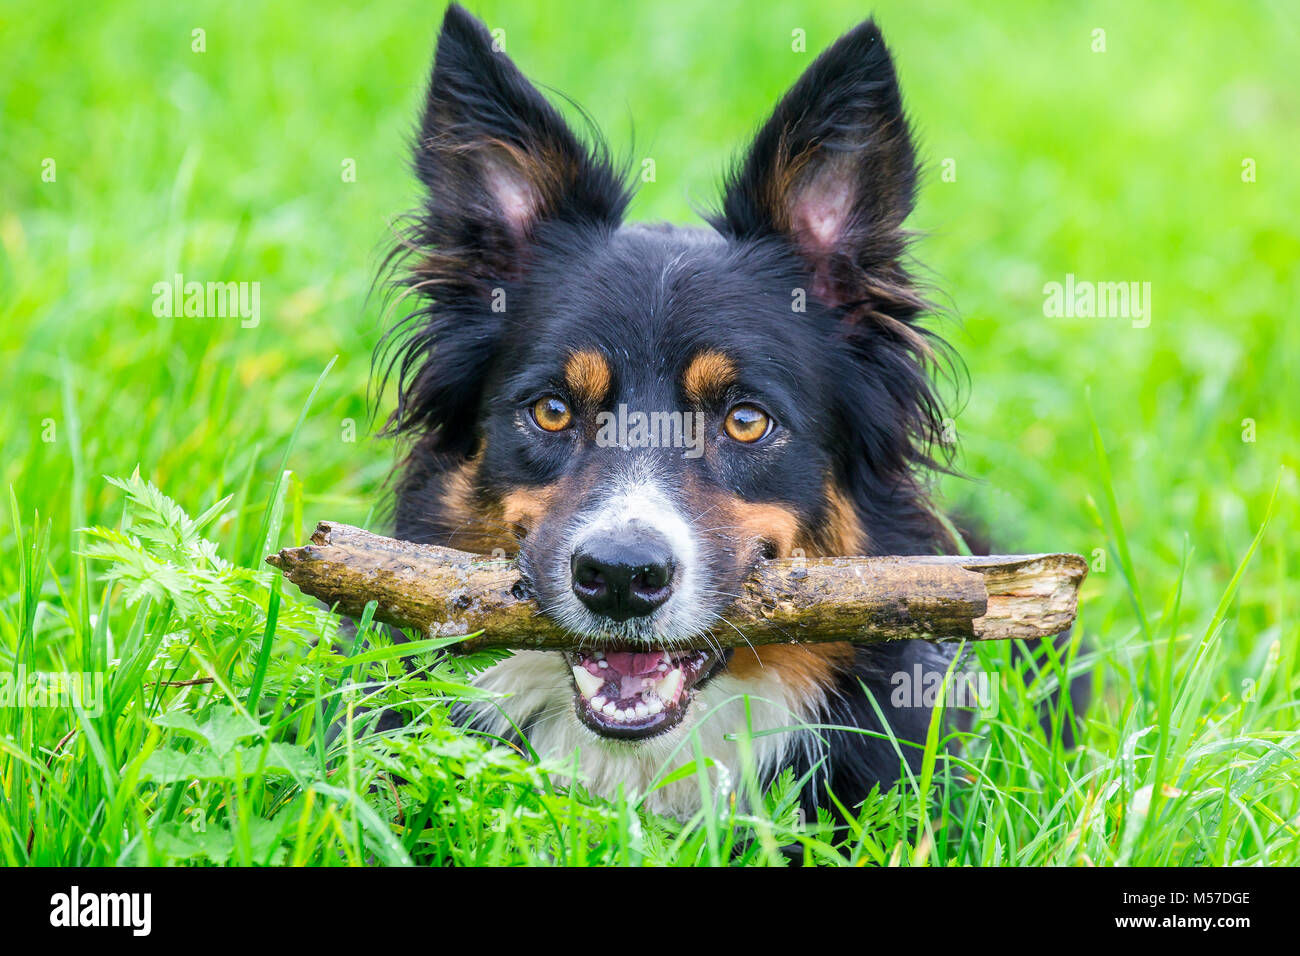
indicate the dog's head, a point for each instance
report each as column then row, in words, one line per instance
column 644, row 412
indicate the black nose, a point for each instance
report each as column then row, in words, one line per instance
column 623, row 576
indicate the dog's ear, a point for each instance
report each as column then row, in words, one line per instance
column 833, row 171
column 499, row 164
column 498, row 160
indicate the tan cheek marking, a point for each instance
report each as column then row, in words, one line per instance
column 708, row 376
column 525, row 507
column 847, row 536
column 458, row 490
column 771, row 523
column 841, row 532
column 745, row 523
column 808, row 669
column 588, row 377
column 472, row 524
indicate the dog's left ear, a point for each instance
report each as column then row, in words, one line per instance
column 833, row 171
column 498, row 160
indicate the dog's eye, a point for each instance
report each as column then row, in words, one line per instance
column 552, row 414
column 747, row 423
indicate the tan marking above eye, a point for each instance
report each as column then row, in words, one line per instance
column 747, row 423
column 708, row 375
column 588, row 376
column 552, row 413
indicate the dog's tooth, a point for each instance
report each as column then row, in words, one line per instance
column 588, row 683
column 609, row 709
column 602, row 663
column 642, row 710
column 655, row 708
column 662, row 667
column 670, row 685
column 598, row 702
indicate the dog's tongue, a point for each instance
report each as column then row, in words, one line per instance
column 626, row 675
column 635, row 663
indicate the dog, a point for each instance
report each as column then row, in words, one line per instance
column 640, row 413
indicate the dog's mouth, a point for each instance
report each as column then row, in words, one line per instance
column 634, row 694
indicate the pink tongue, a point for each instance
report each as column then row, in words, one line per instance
column 630, row 664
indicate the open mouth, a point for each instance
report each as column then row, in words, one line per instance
column 636, row 694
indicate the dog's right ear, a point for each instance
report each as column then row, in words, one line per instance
column 834, row 172
column 498, row 163
column 498, row 160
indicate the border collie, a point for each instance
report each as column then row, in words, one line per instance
column 640, row 413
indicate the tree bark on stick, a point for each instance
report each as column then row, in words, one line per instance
column 442, row 592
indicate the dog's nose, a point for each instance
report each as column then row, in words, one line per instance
column 625, row 576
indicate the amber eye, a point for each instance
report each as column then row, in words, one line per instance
column 552, row 414
column 747, row 423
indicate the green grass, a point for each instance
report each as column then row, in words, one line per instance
column 1124, row 444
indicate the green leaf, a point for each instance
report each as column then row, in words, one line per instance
column 221, row 731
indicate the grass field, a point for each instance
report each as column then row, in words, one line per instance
column 1164, row 450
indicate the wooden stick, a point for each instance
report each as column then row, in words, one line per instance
column 441, row 592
